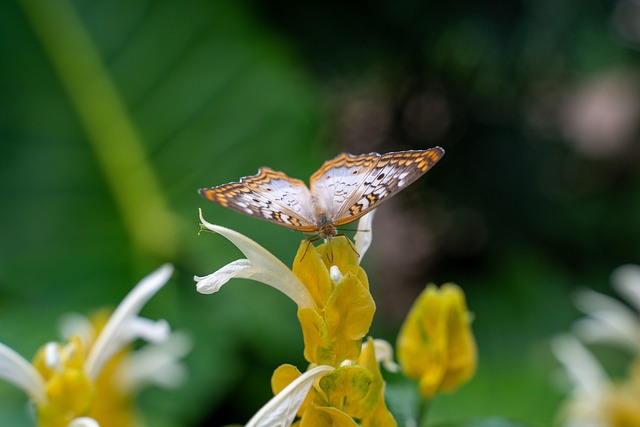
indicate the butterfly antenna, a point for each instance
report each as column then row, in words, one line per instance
column 354, row 230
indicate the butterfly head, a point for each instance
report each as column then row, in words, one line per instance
column 326, row 227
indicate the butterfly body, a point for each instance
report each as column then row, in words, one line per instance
column 341, row 191
column 325, row 226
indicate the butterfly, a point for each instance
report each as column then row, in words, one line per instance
column 341, row 191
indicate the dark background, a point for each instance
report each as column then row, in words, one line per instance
column 535, row 102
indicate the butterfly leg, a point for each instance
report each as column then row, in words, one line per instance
column 351, row 245
column 309, row 242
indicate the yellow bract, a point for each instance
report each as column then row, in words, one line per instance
column 69, row 391
column 435, row 344
column 343, row 312
column 379, row 416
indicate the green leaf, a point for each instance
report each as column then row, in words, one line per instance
column 485, row 422
column 403, row 402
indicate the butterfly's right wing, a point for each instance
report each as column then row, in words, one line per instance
column 269, row 195
column 352, row 185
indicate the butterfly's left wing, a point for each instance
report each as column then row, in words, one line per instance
column 349, row 186
column 269, row 195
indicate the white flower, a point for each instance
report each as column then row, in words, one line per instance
column 588, row 382
column 281, row 410
column 260, row 265
column 156, row 364
column 123, row 327
column 608, row 320
column 595, row 400
column 84, row 422
column 364, row 236
column 626, row 280
column 384, row 354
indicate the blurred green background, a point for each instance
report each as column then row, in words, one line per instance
column 113, row 113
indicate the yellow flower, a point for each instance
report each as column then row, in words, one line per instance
column 595, row 399
column 80, row 383
column 621, row 405
column 436, row 344
column 338, row 398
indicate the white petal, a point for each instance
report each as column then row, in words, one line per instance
column 115, row 333
column 384, row 354
column 610, row 320
column 156, row 364
column 17, row 370
column 586, row 373
column 590, row 383
column 281, row 409
column 364, row 236
column 74, row 324
column 240, row 268
column 154, row 331
column 605, row 328
column 589, row 301
column 626, row 280
column 83, row 422
column 52, row 356
column 264, row 267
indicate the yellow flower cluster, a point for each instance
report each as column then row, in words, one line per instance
column 333, row 330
